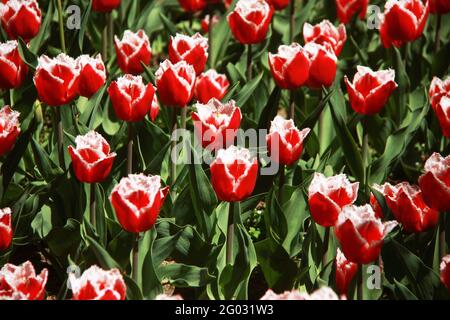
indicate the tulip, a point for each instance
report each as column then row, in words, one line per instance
column 137, row 200
column 207, row 20
column 13, row 69
column 21, row 18
column 445, row 271
column 322, row 70
column 285, row 141
column 370, row 90
column 290, row 66
column 154, row 109
column 91, row 158
column 192, row 5
column 98, row 284
column 92, row 75
column 279, row 4
column 133, row 51
column 438, row 89
column 105, row 5
column 9, row 129
column 376, row 207
column 440, row 101
column 56, row 79
column 233, row 174
column 131, row 98
column 193, row 50
column 324, row 293
column 175, row 83
column 403, row 21
column 21, row 282
column 326, row 33
column 360, row 233
column 434, row 183
column 327, row 197
column 227, row 3
column 216, row 123
column 345, row 272
column 347, row 9
column 250, row 20
column 439, row 6
column 211, row 84
column 6, row 233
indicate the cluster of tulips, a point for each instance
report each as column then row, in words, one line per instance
column 138, row 198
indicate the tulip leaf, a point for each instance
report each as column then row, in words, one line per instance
column 133, row 290
column 36, row 42
column 151, row 284
column 402, row 292
column 103, row 257
column 270, row 110
column 246, row 92
column 45, row 164
column 221, row 37
column 84, row 22
column 169, row 26
column 27, row 56
column 182, row 275
column 314, row 116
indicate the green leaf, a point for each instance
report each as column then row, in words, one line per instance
column 151, row 284
column 83, row 25
column 27, row 56
column 103, row 257
column 46, row 166
column 270, row 110
column 36, row 42
column 248, row 90
column 182, row 275
column 169, row 26
column 133, row 290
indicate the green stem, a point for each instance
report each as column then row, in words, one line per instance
column 172, row 164
column 105, row 44
column 210, row 39
column 326, row 241
column 292, row 22
column 437, row 38
column 360, row 282
column 249, row 62
column 61, row 26
column 59, row 136
column 281, row 181
column 92, row 205
column 365, row 153
column 130, row 149
column 292, row 105
column 135, row 265
column 442, row 241
column 183, row 117
column 322, row 124
column 230, row 234
column 111, row 34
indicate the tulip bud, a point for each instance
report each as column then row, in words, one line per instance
column 345, row 272
column 211, row 84
column 370, row 90
column 216, row 123
column 193, row 50
column 154, row 110
column 98, row 284
column 6, row 233
column 347, row 9
column 105, row 5
column 285, row 141
column 327, row 197
column 439, row 6
column 21, row 18
column 175, row 83
column 21, row 282
column 322, row 70
column 445, row 271
column 9, row 129
column 56, row 80
column 131, row 98
column 326, row 33
column 403, row 21
column 192, row 5
column 92, row 75
column 407, row 205
column 137, row 200
column 290, row 66
column 434, row 183
column 13, row 69
column 233, row 174
column 92, row 160
column 250, row 20
column 360, row 233
column 133, row 51
column 279, row 4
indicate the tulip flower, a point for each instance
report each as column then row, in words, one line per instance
column 216, row 123
column 192, row 5
column 210, row 84
column 439, row 6
column 175, row 83
column 326, row 33
column 234, row 173
column 133, row 51
column 13, row 69
column 345, row 272
column 227, row 3
column 347, row 9
column 322, row 70
column 137, row 200
column 440, row 101
column 9, row 129
column 21, row 18
column 105, row 5
column 92, row 75
column 376, row 206
column 154, row 109
column 207, row 20
column 279, row 4
column 21, row 282
column 98, row 284
column 324, row 293
column 56, row 79
column 131, row 98
column 403, row 21
column 434, row 183
column 327, row 197
column 290, row 66
column 407, row 205
column 370, row 90
column 193, row 50
column 360, row 233
column 91, row 158
column 6, row 233
column 285, row 141
column 438, row 89
column 445, row 271
column 250, row 20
